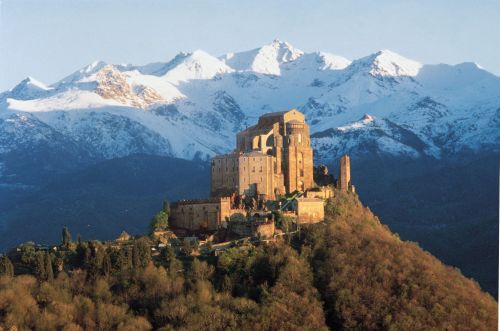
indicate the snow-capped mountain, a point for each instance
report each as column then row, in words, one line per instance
column 192, row 105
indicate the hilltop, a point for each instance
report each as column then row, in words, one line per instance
column 347, row 273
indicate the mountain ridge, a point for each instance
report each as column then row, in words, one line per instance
column 191, row 106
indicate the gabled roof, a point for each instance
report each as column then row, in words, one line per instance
column 278, row 113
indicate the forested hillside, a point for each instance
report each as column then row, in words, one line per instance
column 371, row 280
column 348, row 273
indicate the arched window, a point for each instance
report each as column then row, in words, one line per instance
column 270, row 141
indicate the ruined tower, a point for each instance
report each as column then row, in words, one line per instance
column 344, row 182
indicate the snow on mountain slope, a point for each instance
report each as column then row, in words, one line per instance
column 28, row 88
column 264, row 60
column 387, row 63
column 369, row 136
column 192, row 105
column 196, row 65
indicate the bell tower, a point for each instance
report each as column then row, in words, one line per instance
column 299, row 156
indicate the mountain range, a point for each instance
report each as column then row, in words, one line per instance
column 191, row 106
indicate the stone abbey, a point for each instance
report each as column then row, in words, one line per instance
column 272, row 159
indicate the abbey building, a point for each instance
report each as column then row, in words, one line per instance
column 272, row 158
column 271, row 169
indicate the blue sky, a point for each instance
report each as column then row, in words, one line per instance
column 50, row 39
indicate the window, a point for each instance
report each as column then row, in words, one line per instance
column 253, row 169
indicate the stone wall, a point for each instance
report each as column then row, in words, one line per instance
column 256, row 175
column 309, row 210
column 251, row 228
column 207, row 214
column 265, row 230
column 322, row 192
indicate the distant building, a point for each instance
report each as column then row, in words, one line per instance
column 203, row 214
column 124, row 236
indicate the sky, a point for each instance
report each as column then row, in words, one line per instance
column 49, row 39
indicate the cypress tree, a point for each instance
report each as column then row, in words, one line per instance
column 48, row 268
column 66, row 237
column 6, row 267
column 106, row 264
column 40, row 266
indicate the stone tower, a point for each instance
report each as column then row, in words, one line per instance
column 345, row 173
column 298, row 156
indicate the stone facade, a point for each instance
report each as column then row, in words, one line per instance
column 344, row 181
column 245, row 174
column 263, row 229
column 272, row 157
column 206, row 214
column 322, row 192
column 309, row 210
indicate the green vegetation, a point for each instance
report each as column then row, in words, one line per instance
column 160, row 220
column 348, row 273
column 263, row 288
column 66, row 237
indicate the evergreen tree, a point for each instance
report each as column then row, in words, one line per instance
column 159, row 222
column 106, row 264
column 49, row 271
column 94, row 256
column 80, row 253
column 6, row 267
column 171, row 261
column 124, row 261
column 40, row 266
column 141, row 255
column 66, row 237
